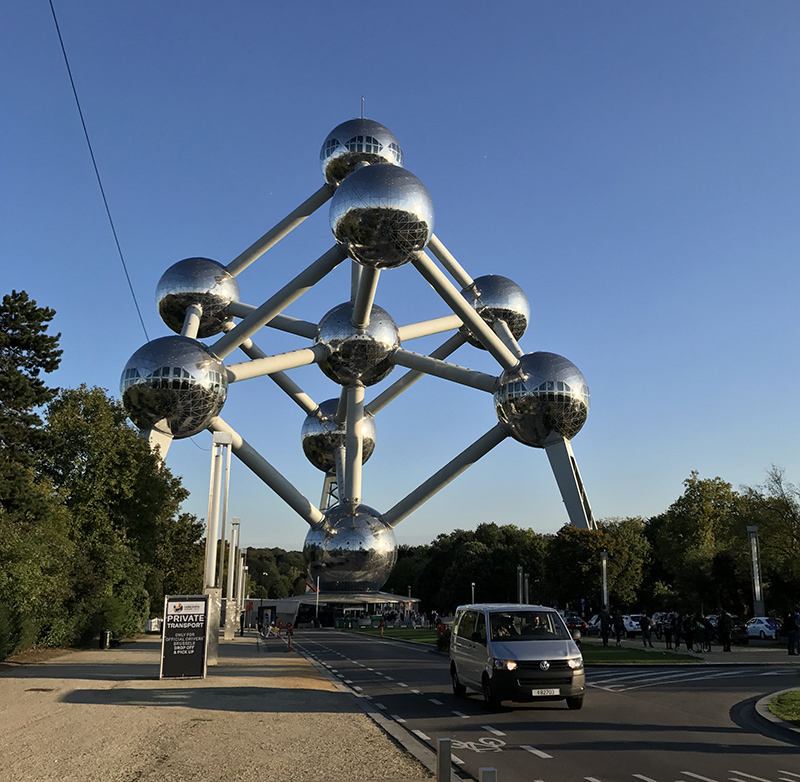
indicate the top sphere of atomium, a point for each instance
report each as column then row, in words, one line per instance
column 357, row 141
column 196, row 281
column 545, row 398
column 173, row 384
column 382, row 216
column 357, row 355
column 351, row 550
column 497, row 298
column 322, row 434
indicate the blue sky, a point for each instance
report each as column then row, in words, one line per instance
column 633, row 166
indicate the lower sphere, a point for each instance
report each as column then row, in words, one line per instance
column 352, row 550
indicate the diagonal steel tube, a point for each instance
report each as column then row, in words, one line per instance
column 440, row 479
column 285, row 226
column 264, row 470
column 275, row 304
column 452, row 296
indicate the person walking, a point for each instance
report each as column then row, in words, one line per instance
column 667, row 626
column 619, row 626
column 677, row 628
column 724, row 627
column 644, row 624
column 605, row 624
column 688, row 632
column 790, row 623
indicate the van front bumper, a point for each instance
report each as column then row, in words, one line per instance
column 529, row 682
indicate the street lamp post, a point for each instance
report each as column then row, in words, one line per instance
column 473, row 591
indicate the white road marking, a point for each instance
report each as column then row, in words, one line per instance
column 749, row 776
column 416, row 692
column 456, row 759
column 357, row 689
column 493, row 730
column 644, row 778
column 389, row 678
column 380, row 705
column 697, row 776
column 591, row 779
column 435, row 702
column 421, row 735
column 397, row 718
column 401, row 684
column 539, row 752
column 348, row 681
column 460, row 714
column 790, row 773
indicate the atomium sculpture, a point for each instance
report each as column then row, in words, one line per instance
column 382, row 218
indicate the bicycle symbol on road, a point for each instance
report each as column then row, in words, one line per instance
column 486, row 744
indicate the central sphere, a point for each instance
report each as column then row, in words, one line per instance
column 196, row 281
column 351, row 550
column 357, row 355
column 497, row 298
column 322, row 435
column 382, row 216
column 173, row 384
column 545, row 398
column 357, row 141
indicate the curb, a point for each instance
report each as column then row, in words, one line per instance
column 766, row 716
column 421, row 751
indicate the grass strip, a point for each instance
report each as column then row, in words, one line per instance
column 787, row 707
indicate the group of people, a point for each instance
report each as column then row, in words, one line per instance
column 695, row 630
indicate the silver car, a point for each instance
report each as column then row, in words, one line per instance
column 507, row 651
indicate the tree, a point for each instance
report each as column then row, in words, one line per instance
column 26, row 351
column 134, row 546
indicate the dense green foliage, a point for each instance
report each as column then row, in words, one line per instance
column 91, row 534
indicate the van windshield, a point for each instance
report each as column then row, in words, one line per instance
column 527, row 626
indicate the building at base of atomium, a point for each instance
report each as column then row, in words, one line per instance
column 381, row 217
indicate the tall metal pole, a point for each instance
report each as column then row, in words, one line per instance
column 527, row 589
column 519, row 583
column 473, row 591
column 233, row 557
column 226, row 444
column 758, row 600
column 604, row 567
column 212, row 523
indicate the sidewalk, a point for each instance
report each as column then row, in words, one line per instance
column 261, row 713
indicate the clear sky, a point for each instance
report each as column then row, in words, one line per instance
column 634, row 166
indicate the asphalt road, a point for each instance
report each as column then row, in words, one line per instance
column 646, row 723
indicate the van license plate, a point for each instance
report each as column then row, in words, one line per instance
column 545, row 693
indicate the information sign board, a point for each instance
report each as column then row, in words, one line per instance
column 183, row 645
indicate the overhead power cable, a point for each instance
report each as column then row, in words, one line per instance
column 97, row 171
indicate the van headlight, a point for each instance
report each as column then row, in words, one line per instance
column 505, row 665
column 576, row 663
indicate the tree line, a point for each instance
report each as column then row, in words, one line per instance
column 694, row 556
column 91, row 532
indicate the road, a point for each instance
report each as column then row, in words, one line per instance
column 645, row 723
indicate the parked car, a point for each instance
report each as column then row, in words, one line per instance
column 762, row 627
column 631, row 624
column 593, row 625
column 575, row 624
column 739, row 632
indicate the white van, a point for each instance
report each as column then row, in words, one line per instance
column 513, row 652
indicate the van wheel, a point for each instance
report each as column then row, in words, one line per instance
column 458, row 688
column 489, row 696
column 575, row 703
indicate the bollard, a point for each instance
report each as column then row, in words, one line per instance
column 487, row 775
column 443, row 763
column 105, row 639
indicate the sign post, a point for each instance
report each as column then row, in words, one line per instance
column 184, row 641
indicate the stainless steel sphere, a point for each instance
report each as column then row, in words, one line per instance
column 175, row 385
column 352, row 550
column 497, row 298
column 322, row 435
column 357, row 141
column 546, row 398
column 382, row 215
column 357, row 355
column 196, row 281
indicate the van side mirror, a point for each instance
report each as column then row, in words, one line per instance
column 576, row 636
